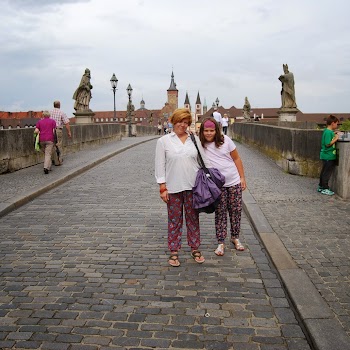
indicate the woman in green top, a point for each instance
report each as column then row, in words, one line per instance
column 328, row 154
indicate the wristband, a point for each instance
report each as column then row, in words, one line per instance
column 163, row 190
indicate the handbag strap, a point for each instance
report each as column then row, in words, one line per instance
column 201, row 162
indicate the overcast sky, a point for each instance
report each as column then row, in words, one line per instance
column 225, row 48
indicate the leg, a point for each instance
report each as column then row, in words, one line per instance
column 221, row 217
column 192, row 225
column 175, row 220
column 56, row 160
column 48, row 152
column 235, row 213
column 326, row 172
column 192, row 222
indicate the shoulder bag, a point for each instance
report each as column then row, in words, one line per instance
column 207, row 188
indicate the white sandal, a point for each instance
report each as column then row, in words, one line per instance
column 219, row 251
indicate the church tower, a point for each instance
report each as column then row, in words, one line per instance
column 187, row 102
column 198, row 107
column 205, row 107
column 142, row 104
column 173, row 93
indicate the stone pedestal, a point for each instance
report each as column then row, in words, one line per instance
column 288, row 114
column 340, row 180
column 84, row 117
column 133, row 130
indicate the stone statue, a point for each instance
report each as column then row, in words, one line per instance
column 287, row 92
column 246, row 109
column 82, row 94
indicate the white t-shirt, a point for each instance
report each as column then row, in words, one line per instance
column 176, row 162
column 224, row 121
column 221, row 159
column 217, row 116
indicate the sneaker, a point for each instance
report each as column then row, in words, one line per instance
column 319, row 189
column 328, row 192
column 46, row 171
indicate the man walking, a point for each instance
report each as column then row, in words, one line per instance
column 217, row 116
column 61, row 120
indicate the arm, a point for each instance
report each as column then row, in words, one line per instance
column 236, row 158
column 333, row 141
column 160, row 164
column 36, row 131
column 68, row 130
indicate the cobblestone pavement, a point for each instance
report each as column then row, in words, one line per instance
column 314, row 228
column 84, row 266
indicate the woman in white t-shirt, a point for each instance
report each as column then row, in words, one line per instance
column 225, row 124
column 223, row 155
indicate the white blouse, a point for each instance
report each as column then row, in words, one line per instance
column 176, row 163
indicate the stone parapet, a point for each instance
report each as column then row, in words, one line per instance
column 295, row 150
column 17, row 145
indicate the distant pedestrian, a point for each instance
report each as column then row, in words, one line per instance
column 328, row 154
column 176, row 168
column 165, row 127
column 159, row 128
column 217, row 116
column 46, row 129
column 61, row 120
column 223, row 155
column 225, row 124
column 170, row 127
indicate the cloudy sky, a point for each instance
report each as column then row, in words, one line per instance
column 225, row 48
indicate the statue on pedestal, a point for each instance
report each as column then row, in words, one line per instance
column 288, row 91
column 246, row 110
column 82, row 94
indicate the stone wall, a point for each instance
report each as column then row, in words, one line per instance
column 17, row 145
column 294, row 150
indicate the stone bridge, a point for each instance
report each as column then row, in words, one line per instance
column 84, row 261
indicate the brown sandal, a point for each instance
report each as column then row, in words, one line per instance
column 196, row 254
column 174, row 260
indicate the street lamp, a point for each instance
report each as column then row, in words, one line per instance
column 129, row 108
column 114, row 82
column 217, row 102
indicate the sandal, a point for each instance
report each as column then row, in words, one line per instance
column 238, row 245
column 174, row 260
column 219, row 251
column 197, row 255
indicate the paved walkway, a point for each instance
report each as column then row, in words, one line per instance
column 83, row 266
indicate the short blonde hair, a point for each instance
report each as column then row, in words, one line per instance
column 46, row 114
column 181, row 114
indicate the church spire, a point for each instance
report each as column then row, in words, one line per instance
column 172, row 83
column 198, row 102
column 187, row 100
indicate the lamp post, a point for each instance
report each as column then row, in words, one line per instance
column 129, row 108
column 217, row 102
column 114, row 82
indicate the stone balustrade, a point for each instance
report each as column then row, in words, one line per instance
column 295, row 150
column 17, row 145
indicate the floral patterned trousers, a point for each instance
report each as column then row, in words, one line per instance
column 177, row 202
column 231, row 202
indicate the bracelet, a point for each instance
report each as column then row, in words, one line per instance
column 163, row 190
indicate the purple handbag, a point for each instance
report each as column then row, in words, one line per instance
column 207, row 188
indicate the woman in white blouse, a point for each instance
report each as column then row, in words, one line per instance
column 176, row 168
